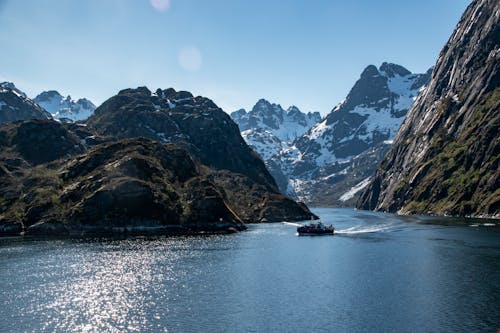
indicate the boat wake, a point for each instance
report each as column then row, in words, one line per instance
column 365, row 229
column 293, row 224
column 359, row 229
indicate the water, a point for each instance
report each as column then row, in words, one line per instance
column 381, row 273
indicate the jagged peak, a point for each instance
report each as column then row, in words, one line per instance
column 369, row 71
column 86, row 102
column 391, row 70
column 239, row 113
column 262, row 103
column 293, row 109
column 8, row 84
column 12, row 86
column 51, row 93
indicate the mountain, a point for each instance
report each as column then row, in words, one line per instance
column 269, row 129
column 371, row 113
column 14, row 105
column 65, row 108
column 198, row 125
column 163, row 162
column 322, row 162
column 131, row 186
column 286, row 125
column 445, row 157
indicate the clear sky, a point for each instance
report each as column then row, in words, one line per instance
column 302, row 52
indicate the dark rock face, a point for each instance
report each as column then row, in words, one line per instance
column 39, row 141
column 255, row 203
column 68, row 179
column 445, row 156
column 194, row 123
column 133, row 185
column 14, row 105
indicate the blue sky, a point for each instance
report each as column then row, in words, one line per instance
column 305, row 53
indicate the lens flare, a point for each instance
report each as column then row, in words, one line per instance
column 161, row 5
column 190, row 58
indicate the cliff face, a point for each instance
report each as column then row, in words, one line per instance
column 445, row 157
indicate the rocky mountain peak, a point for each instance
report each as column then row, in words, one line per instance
column 64, row 108
column 391, row 70
column 12, row 86
column 293, row 110
column 195, row 123
column 445, row 157
column 14, row 105
column 139, row 92
column 343, row 148
column 369, row 71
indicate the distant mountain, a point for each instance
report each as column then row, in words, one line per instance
column 286, row 125
column 445, row 157
column 269, row 129
column 14, row 105
column 65, row 108
column 359, row 128
column 318, row 160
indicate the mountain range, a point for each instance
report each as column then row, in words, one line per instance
column 168, row 162
column 327, row 159
column 46, row 105
column 65, row 108
column 145, row 162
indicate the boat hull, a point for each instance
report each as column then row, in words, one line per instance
column 303, row 231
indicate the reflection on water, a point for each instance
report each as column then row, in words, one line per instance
column 380, row 273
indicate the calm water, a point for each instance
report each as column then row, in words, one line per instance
column 381, row 274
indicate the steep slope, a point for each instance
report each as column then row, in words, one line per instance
column 211, row 137
column 445, row 156
column 336, row 155
column 14, row 105
column 371, row 113
column 65, row 108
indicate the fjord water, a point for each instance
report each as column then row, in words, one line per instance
column 381, row 273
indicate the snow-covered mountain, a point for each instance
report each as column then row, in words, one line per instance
column 286, row 125
column 344, row 149
column 269, row 130
column 333, row 158
column 65, row 108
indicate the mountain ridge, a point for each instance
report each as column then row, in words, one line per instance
column 445, row 156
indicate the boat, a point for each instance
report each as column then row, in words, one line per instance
column 315, row 229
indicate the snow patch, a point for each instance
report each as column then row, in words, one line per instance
column 355, row 189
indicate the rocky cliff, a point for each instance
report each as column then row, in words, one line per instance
column 445, row 157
